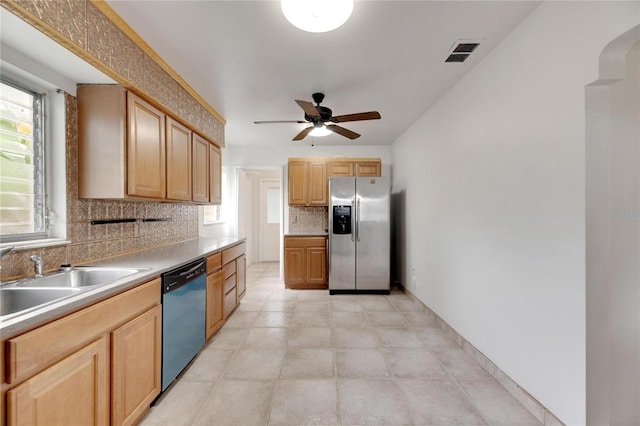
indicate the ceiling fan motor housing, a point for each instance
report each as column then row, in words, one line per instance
column 325, row 115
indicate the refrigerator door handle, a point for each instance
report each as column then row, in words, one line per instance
column 353, row 219
column 358, row 220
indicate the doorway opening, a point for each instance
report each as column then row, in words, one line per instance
column 260, row 213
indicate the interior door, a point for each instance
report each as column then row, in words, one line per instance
column 269, row 220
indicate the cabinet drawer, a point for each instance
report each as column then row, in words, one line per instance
column 229, row 283
column 31, row 352
column 231, row 253
column 229, row 302
column 229, row 269
column 214, row 262
column 296, row 242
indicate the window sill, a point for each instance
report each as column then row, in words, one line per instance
column 34, row 244
column 213, row 223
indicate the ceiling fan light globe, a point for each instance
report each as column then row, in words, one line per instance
column 320, row 131
column 317, row 16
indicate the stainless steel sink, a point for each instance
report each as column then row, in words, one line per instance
column 24, row 295
column 82, row 276
column 18, row 299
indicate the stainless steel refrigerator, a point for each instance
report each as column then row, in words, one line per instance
column 359, row 235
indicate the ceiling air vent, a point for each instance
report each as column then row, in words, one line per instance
column 461, row 51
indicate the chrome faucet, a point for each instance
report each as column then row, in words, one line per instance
column 38, row 265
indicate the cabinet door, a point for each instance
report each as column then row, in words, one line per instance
column 75, row 391
column 241, row 273
column 215, row 175
column 200, row 164
column 368, row 169
column 294, row 266
column 145, row 149
column 136, row 366
column 316, row 265
column 318, row 184
column 178, row 161
column 340, row 169
column 298, row 171
column 215, row 298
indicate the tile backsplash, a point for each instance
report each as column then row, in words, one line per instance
column 92, row 242
column 308, row 219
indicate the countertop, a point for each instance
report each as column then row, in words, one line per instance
column 157, row 261
column 307, row 234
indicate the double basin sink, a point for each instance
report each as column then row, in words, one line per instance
column 28, row 294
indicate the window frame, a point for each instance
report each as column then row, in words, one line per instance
column 40, row 135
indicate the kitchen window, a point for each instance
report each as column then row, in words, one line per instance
column 22, row 163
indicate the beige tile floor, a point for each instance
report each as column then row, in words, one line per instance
column 288, row 357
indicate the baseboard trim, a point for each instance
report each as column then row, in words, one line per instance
column 538, row 410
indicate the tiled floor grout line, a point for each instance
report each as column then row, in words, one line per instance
column 268, row 286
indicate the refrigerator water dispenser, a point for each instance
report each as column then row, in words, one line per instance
column 342, row 220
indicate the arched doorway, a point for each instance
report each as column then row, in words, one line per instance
column 613, row 235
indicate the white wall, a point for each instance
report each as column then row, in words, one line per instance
column 489, row 192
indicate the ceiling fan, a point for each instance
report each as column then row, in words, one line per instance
column 318, row 116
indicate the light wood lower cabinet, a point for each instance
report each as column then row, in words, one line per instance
column 305, row 262
column 136, row 352
column 97, row 366
column 215, row 300
column 241, row 272
column 74, row 391
column 234, row 268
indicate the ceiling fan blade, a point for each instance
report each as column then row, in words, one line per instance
column 342, row 131
column 308, row 108
column 303, row 133
column 280, row 121
column 371, row 115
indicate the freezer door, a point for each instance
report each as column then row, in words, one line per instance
column 342, row 249
column 372, row 232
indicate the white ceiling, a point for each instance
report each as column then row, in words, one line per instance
column 249, row 63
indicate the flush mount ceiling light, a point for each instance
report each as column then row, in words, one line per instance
column 320, row 131
column 317, row 16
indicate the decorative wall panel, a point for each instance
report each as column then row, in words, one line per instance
column 83, row 28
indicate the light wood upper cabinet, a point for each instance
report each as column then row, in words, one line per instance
column 200, row 164
column 74, row 391
column 298, row 182
column 307, row 183
column 354, row 168
column 136, row 352
column 367, row 168
column 130, row 149
column 145, row 149
column 215, row 175
column 318, row 185
column 178, row 161
column 340, row 168
column 308, row 177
